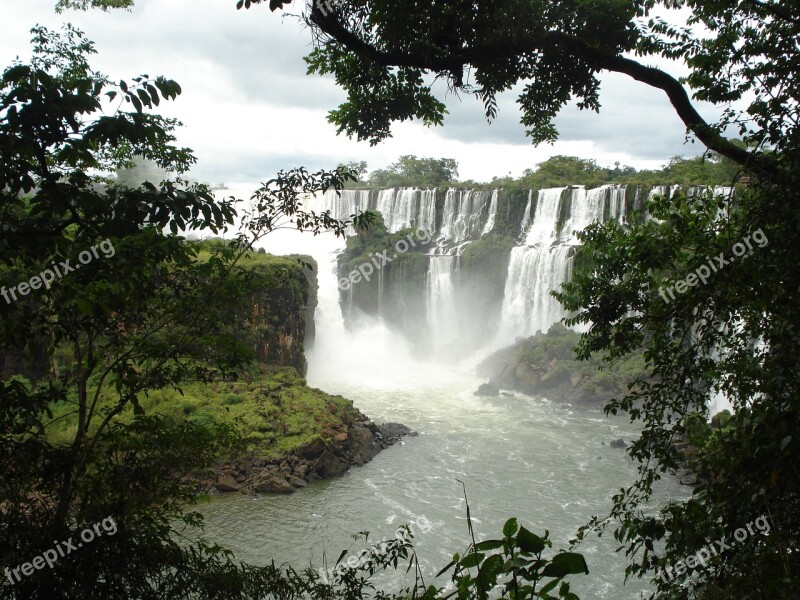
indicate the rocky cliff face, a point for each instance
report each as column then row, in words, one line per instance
column 277, row 317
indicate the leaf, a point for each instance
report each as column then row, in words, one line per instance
column 566, row 563
column 446, row 568
column 492, row 568
column 530, row 542
column 473, row 559
column 136, row 102
column 785, row 441
column 341, row 556
column 510, row 528
column 549, row 587
column 488, row 545
column 144, row 97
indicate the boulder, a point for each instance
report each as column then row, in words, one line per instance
column 329, row 465
column 227, row 483
column 394, row 431
column 272, row 483
column 313, row 449
column 487, row 389
column 296, row 481
column 618, row 443
column 363, row 446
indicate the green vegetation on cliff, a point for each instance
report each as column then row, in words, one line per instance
column 273, row 412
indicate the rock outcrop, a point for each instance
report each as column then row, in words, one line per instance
column 545, row 365
column 318, row 459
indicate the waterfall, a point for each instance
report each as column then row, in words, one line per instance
column 427, row 211
column 492, row 213
column 545, row 262
column 533, row 272
column 407, row 207
column 588, row 206
column 440, row 301
column 526, row 215
column 461, row 216
column 397, row 208
column 543, row 228
column 343, row 204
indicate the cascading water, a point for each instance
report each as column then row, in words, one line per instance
column 533, row 271
column 527, row 304
column 526, row 215
column 400, row 208
column 545, row 262
column 427, row 211
column 492, row 213
column 462, row 214
column 440, row 300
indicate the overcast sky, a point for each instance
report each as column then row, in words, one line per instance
column 249, row 109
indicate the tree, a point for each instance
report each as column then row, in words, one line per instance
column 707, row 291
column 102, row 291
column 358, row 167
column 380, row 53
column 412, row 171
column 557, row 170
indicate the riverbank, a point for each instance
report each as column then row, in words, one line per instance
column 293, row 434
column 319, row 459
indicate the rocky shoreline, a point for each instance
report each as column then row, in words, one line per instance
column 316, row 460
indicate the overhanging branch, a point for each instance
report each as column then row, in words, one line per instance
column 329, row 24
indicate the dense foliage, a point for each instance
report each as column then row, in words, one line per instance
column 411, row 171
column 103, row 304
column 731, row 329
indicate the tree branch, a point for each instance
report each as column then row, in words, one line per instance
column 481, row 55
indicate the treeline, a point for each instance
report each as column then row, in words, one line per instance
column 410, row 171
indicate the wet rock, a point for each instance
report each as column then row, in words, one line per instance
column 227, row 483
column 392, row 432
column 618, row 443
column 272, row 483
column 363, row 445
column 296, row 481
column 329, row 465
column 487, row 389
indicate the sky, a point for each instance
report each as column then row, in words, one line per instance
column 248, row 108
